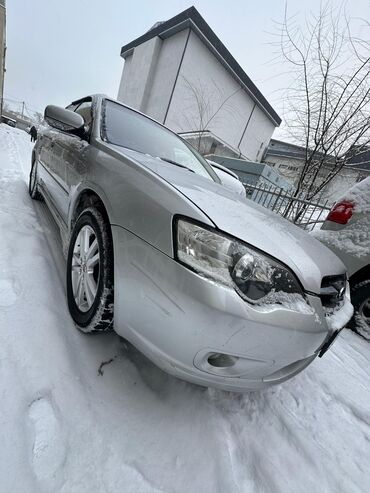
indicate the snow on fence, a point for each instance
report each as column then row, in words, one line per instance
column 306, row 214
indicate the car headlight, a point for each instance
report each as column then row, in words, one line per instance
column 223, row 259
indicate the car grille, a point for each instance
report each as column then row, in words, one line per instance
column 333, row 289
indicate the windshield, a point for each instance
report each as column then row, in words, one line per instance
column 127, row 128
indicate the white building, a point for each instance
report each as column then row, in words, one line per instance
column 181, row 74
column 288, row 160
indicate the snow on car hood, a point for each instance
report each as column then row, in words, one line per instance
column 254, row 224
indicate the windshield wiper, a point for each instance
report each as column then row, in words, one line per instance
column 175, row 163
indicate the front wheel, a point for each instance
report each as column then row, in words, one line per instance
column 32, row 182
column 90, row 273
column 360, row 297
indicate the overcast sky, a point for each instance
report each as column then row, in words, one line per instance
column 58, row 51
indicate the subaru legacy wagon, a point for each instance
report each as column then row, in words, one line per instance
column 207, row 284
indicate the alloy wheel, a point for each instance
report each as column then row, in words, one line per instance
column 85, row 268
column 364, row 311
column 33, row 177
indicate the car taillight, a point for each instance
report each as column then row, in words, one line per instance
column 341, row 213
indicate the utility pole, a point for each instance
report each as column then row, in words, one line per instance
column 23, row 105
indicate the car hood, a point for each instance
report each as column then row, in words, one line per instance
column 252, row 223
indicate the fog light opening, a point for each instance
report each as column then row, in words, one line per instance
column 219, row 360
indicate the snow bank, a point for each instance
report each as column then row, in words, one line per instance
column 359, row 194
column 355, row 237
column 340, row 315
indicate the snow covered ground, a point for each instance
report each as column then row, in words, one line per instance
column 66, row 426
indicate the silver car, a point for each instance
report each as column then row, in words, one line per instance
column 210, row 286
column 228, row 178
column 346, row 232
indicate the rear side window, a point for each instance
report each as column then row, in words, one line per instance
column 85, row 110
column 72, row 107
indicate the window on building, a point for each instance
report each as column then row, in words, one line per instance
column 213, row 147
column 288, row 167
column 259, row 150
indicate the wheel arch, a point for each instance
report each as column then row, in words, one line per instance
column 87, row 197
column 99, row 316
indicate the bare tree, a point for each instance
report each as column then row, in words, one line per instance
column 328, row 102
column 209, row 101
column 38, row 117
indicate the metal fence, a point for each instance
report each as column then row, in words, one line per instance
column 306, row 214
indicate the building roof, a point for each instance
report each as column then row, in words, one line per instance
column 292, row 151
column 358, row 163
column 192, row 19
column 285, row 149
column 361, row 160
column 278, row 148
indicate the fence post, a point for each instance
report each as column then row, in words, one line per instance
column 287, row 204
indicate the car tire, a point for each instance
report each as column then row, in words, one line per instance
column 90, row 273
column 32, row 182
column 360, row 297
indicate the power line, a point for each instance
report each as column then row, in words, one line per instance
column 21, row 107
column 14, row 99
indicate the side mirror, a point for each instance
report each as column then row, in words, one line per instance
column 65, row 120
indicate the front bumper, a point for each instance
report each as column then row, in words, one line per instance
column 179, row 319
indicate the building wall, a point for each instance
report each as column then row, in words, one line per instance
column 149, row 74
column 287, row 167
column 203, row 74
column 227, row 106
column 165, row 80
column 290, row 169
column 138, row 73
column 125, row 87
column 257, row 135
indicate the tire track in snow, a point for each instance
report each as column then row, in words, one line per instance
column 9, row 291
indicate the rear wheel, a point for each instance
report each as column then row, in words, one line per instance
column 32, row 183
column 360, row 297
column 90, row 273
